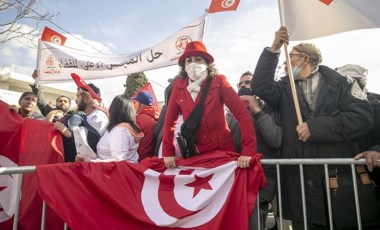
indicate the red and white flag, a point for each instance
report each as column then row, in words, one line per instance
column 308, row 19
column 26, row 142
column 223, row 5
column 205, row 192
column 49, row 35
column 148, row 87
column 10, row 132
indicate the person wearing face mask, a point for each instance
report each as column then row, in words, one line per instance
column 196, row 67
column 335, row 112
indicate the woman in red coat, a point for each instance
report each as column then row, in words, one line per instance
column 214, row 134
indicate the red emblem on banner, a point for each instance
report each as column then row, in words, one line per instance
column 327, row 2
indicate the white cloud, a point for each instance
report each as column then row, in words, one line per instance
column 79, row 42
column 235, row 39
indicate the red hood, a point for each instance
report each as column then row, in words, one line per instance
column 150, row 111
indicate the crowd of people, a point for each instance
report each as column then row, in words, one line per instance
column 340, row 119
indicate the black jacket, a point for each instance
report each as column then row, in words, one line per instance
column 342, row 115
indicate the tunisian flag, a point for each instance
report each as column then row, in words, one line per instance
column 207, row 191
column 148, row 87
column 223, row 5
column 308, row 19
column 26, row 142
column 10, row 132
column 49, row 35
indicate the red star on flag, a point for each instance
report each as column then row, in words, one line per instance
column 200, row 183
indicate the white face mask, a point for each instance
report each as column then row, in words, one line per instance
column 196, row 71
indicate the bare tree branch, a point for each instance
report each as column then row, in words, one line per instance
column 23, row 20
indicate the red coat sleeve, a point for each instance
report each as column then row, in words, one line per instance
column 171, row 117
column 240, row 112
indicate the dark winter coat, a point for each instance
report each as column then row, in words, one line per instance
column 342, row 115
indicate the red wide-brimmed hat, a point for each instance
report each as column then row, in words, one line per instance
column 195, row 48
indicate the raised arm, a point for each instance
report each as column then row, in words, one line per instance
column 43, row 106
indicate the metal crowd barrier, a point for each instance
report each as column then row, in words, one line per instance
column 277, row 162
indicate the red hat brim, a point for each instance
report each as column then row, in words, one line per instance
column 207, row 56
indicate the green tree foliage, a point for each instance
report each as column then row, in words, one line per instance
column 134, row 82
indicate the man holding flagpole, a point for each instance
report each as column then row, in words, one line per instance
column 334, row 113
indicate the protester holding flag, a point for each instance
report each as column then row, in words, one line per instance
column 89, row 128
column 121, row 140
column 197, row 69
column 28, row 106
column 146, row 118
column 335, row 113
column 62, row 102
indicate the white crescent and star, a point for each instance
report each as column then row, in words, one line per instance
column 56, row 40
column 228, row 3
column 8, row 190
column 196, row 197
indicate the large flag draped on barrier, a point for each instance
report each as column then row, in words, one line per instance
column 207, row 191
column 56, row 63
column 308, row 19
column 26, row 142
column 10, row 132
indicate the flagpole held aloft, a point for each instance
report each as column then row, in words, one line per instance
column 290, row 73
column 293, row 86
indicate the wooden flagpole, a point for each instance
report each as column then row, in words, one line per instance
column 290, row 73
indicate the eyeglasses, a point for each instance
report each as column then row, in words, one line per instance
column 292, row 55
column 247, row 82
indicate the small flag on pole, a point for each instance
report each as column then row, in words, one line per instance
column 49, row 35
column 223, row 5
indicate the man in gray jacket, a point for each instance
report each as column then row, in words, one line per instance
column 269, row 137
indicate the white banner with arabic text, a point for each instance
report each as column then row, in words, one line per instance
column 56, row 63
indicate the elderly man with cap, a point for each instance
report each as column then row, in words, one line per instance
column 371, row 141
column 146, row 118
column 197, row 70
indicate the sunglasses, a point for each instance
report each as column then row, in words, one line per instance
column 247, row 82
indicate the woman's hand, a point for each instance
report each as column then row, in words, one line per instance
column 170, row 162
column 62, row 128
column 243, row 161
column 79, row 159
column 14, row 108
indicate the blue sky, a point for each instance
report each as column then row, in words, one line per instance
column 235, row 39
